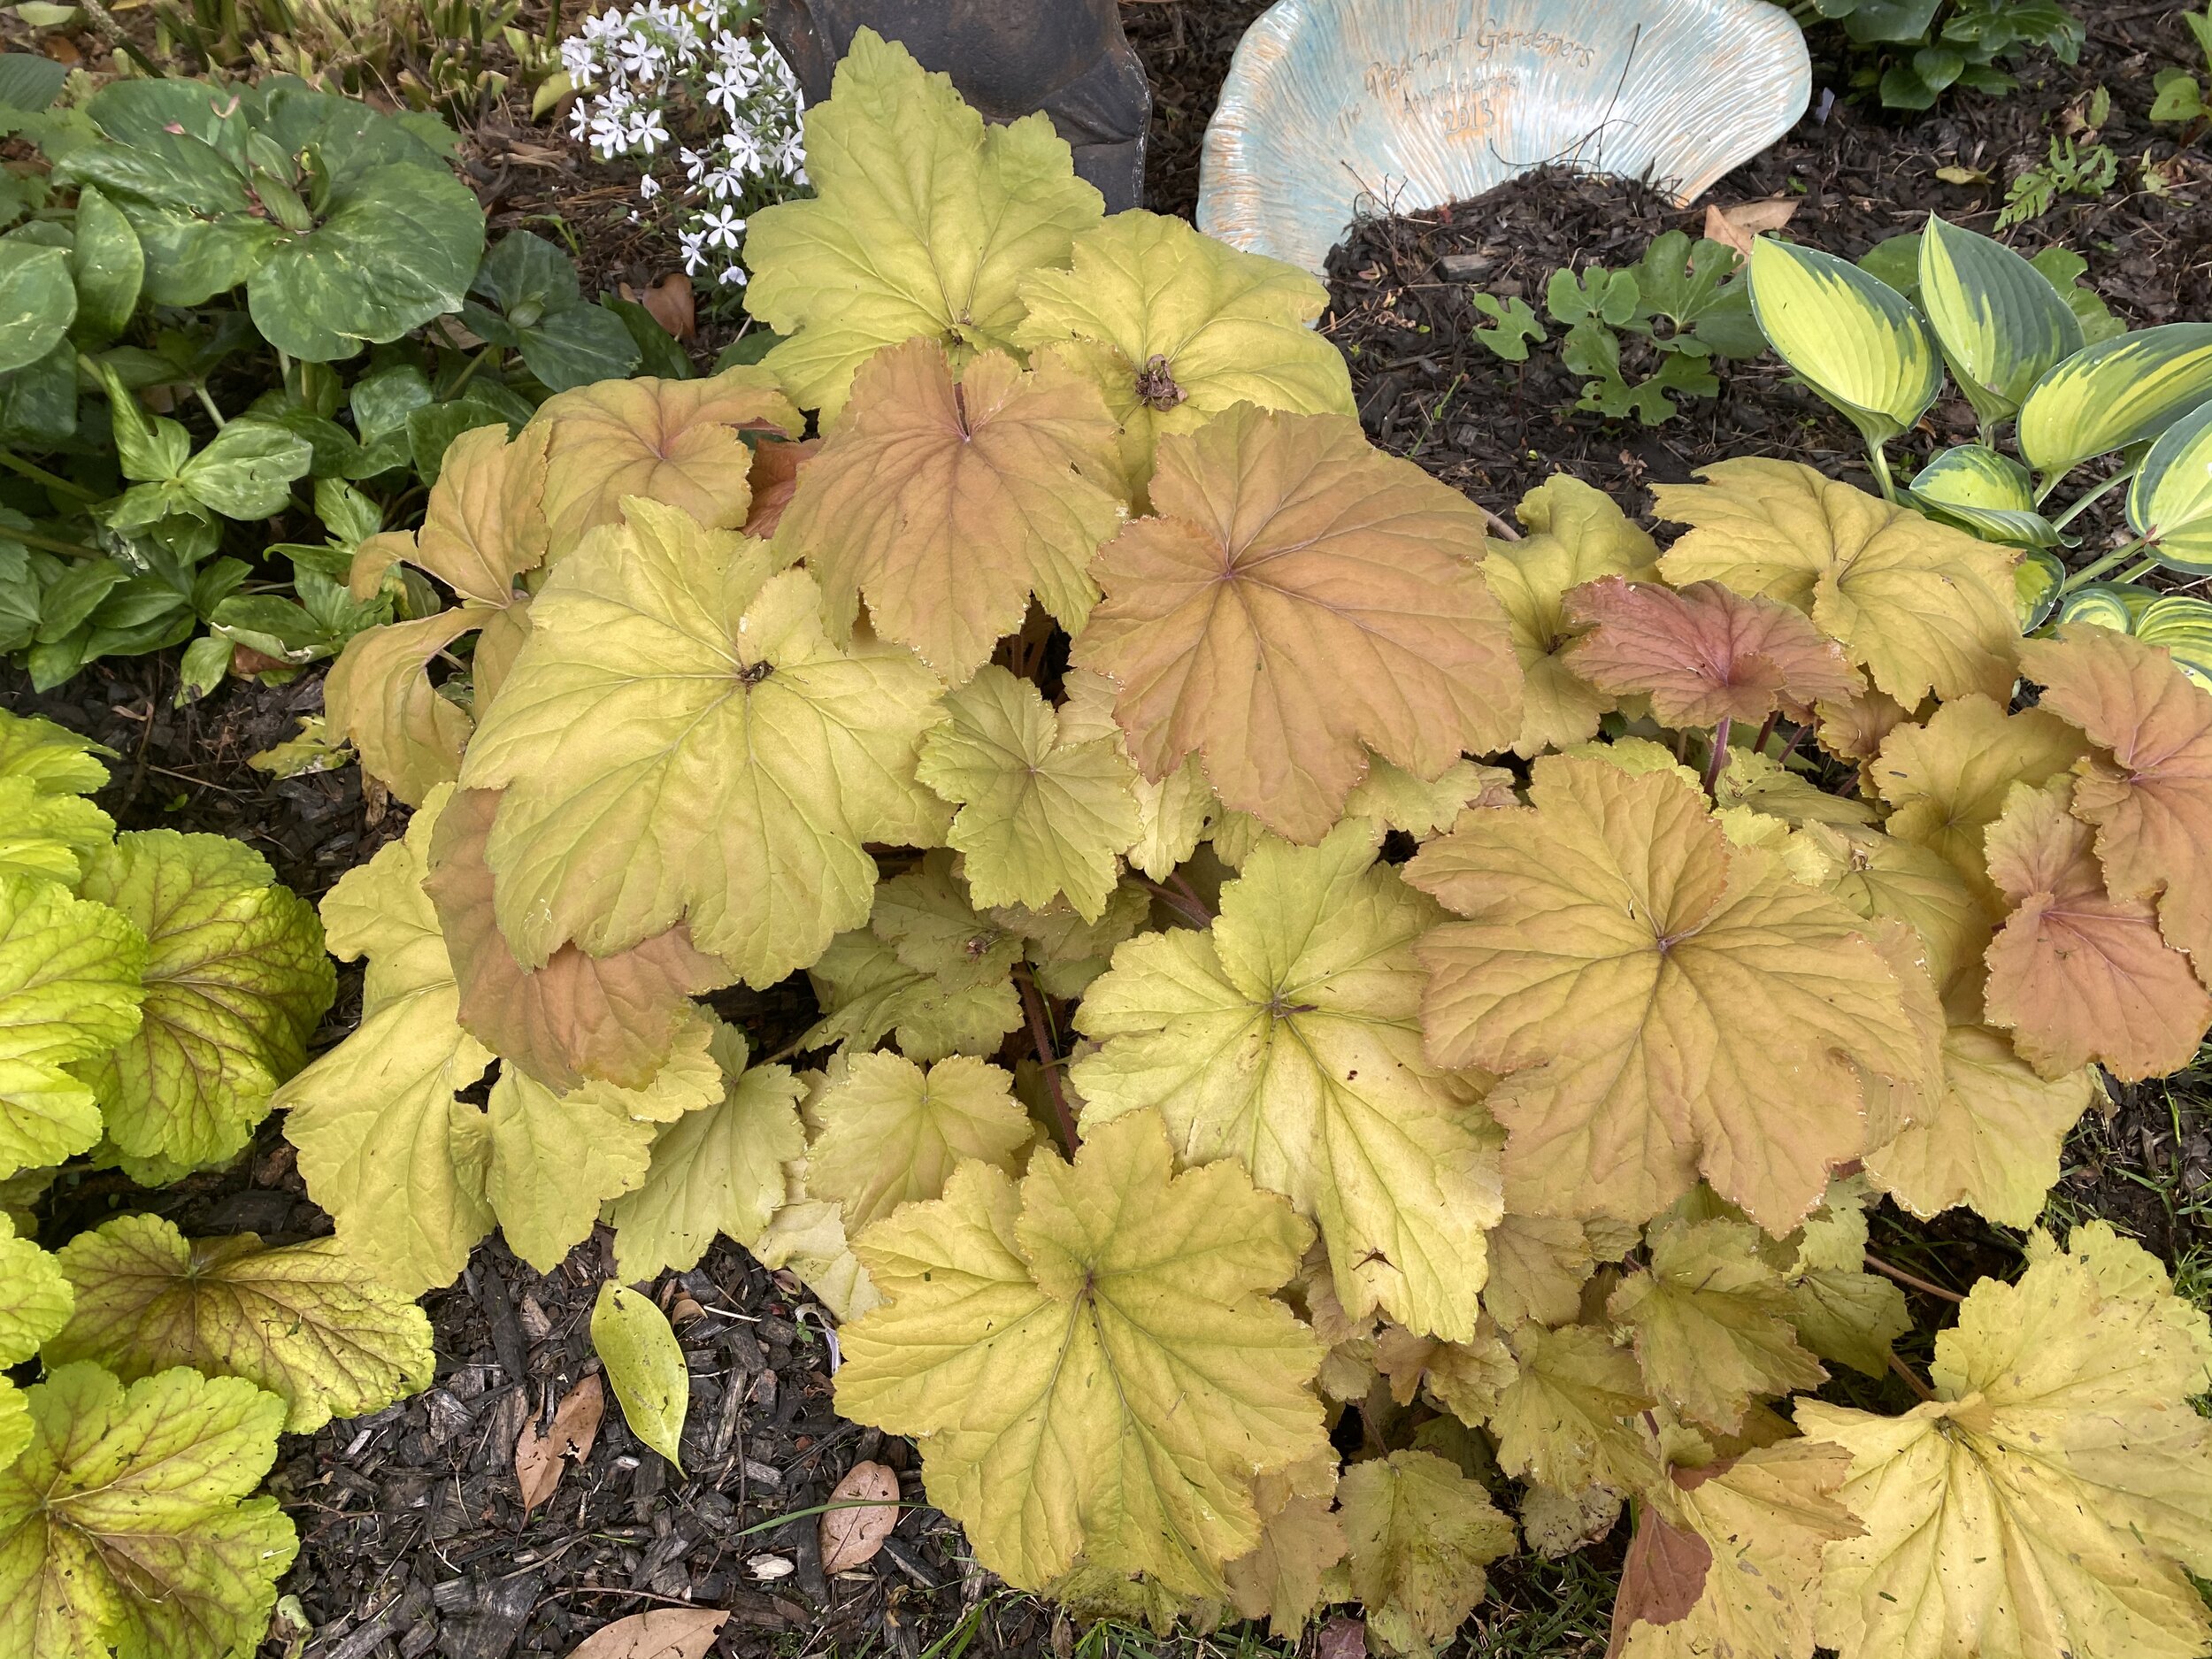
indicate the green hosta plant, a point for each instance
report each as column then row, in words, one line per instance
column 1296, row 972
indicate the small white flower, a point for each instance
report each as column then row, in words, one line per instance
column 692, row 243
column 648, row 187
column 724, row 227
column 734, row 277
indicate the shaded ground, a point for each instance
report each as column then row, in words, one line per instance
column 413, row 1537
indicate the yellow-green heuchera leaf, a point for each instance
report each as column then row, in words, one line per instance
column 1092, row 1360
column 301, row 1321
column 1288, row 1037
column 34, row 1303
column 236, row 980
column 678, row 741
column 54, row 758
column 924, row 222
column 125, row 1525
column 645, row 1364
column 69, row 992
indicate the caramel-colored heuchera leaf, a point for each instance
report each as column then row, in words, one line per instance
column 1704, row 654
column 1577, row 535
column 1947, row 778
column 1759, row 1523
column 1660, row 1005
column 924, row 221
column 944, row 503
column 2148, row 790
column 2049, row 1497
column 484, row 525
column 1301, row 1538
column 612, row 1017
column 679, row 442
column 1917, row 604
column 1288, row 1036
column 1175, row 327
column 1301, row 598
column 2076, row 974
column 678, row 741
column 1090, row 1359
column 302, row 1321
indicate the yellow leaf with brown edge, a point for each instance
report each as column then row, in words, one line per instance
column 1946, row 780
column 2049, row 1497
column 945, row 501
column 1091, row 1360
column 1658, row 1004
column 1301, row 599
column 612, row 1017
column 2152, row 801
column 1301, row 1538
column 2076, row 974
column 678, row 442
column 1726, row 1557
column 1917, row 604
column 1577, row 535
column 1464, row 1378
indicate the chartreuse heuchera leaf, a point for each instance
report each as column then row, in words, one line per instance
column 924, row 222
column 1090, row 1359
column 35, row 1300
column 69, row 992
column 1175, row 327
column 1288, row 1036
column 678, row 741
column 2050, row 1496
column 236, row 980
column 125, row 1525
column 301, row 1321
column 891, row 1133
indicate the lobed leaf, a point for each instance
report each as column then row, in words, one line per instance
column 1288, row 1037
column 1419, row 1534
column 1301, row 599
column 1947, row 778
column 891, row 1133
column 1090, row 1359
column 302, row 1322
column 70, row 991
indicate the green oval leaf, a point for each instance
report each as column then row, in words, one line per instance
column 645, row 1365
column 2108, row 396
column 2170, row 502
column 37, row 302
column 2184, row 626
column 1986, row 493
column 108, row 265
column 1855, row 340
column 2002, row 324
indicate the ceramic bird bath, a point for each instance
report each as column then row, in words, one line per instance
column 1336, row 107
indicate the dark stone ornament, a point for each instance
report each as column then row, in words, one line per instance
column 1067, row 58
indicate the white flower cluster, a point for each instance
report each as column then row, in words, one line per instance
column 698, row 64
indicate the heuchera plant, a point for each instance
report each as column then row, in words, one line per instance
column 1283, row 952
column 155, row 987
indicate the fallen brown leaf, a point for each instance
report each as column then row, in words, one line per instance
column 540, row 1458
column 671, row 304
column 850, row 1537
column 1740, row 224
column 664, row 1632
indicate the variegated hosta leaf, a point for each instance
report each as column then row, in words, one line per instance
column 1857, row 342
column 2002, row 324
column 2113, row 394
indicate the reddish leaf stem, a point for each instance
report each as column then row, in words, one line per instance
column 1913, row 1280
column 1911, row 1381
column 1197, row 905
column 1040, row 1033
column 1189, row 909
column 1759, row 743
column 1719, row 756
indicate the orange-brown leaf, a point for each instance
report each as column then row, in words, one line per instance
column 540, row 1458
column 1662, row 1577
column 659, row 1632
column 775, row 480
column 673, row 442
column 1301, row 599
column 851, row 1536
column 609, row 1017
column 2074, row 973
column 2152, row 803
column 1704, row 653
column 945, row 502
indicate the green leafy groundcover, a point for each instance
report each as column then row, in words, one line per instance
column 155, row 989
column 1067, row 711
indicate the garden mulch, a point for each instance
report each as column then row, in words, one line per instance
column 413, row 1537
